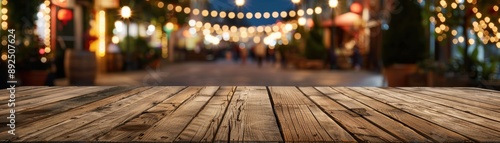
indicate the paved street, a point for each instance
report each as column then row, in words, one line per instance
column 229, row 73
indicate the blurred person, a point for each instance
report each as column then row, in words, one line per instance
column 356, row 58
column 243, row 53
column 260, row 53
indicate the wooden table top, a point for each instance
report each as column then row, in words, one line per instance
column 245, row 113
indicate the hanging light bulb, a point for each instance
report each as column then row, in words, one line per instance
column 239, row 2
column 333, row 3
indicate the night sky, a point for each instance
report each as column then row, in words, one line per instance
column 255, row 6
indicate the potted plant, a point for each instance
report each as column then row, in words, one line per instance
column 403, row 45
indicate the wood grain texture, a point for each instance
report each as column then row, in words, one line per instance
column 428, row 129
column 473, row 131
column 301, row 120
column 249, row 117
column 137, row 126
column 70, row 123
column 105, row 124
column 168, row 128
column 474, row 95
column 204, row 126
column 254, row 114
column 392, row 127
column 426, row 93
column 34, row 114
column 54, row 97
column 363, row 125
column 467, row 112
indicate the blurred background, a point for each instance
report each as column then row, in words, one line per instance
column 252, row 42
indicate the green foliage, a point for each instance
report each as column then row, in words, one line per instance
column 404, row 42
column 22, row 16
column 139, row 48
column 479, row 69
column 315, row 48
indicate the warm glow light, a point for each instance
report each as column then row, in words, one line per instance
column 187, row 10
column 4, row 56
column 102, row 32
column 249, row 15
column 300, row 12
column 454, row 32
column 309, row 11
column 169, row 26
column 256, row 39
column 292, row 13
column 333, row 3
column 126, row 12
column 47, row 50
column 295, row 1
column 231, row 15
column 302, row 21
column 196, row 11
column 461, row 39
column 115, row 40
column 318, row 10
column 498, row 45
column 43, row 60
column 258, row 15
column 487, row 19
column 213, row 13
column 178, row 8
column 495, row 8
column 170, row 6
column 204, row 13
column 454, row 5
column 239, row 2
column 260, row 29
column 283, row 14
column 161, row 4
column 267, row 15
column 241, row 15
column 192, row 22
column 275, row 14
column 222, row 14
column 471, row 41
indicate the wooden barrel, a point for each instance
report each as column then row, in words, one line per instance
column 80, row 67
column 114, row 62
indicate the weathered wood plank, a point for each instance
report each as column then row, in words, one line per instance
column 71, row 123
column 102, row 125
column 30, row 128
column 485, row 97
column 249, row 117
column 135, row 127
column 204, row 126
column 38, row 113
column 428, row 94
column 356, row 122
column 54, row 97
column 168, row 128
column 473, row 131
column 294, row 117
column 459, row 109
column 423, row 127
column 479, row 116
column 39, row 92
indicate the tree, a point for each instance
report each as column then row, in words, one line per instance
column 404, row 42
column 315, row 48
